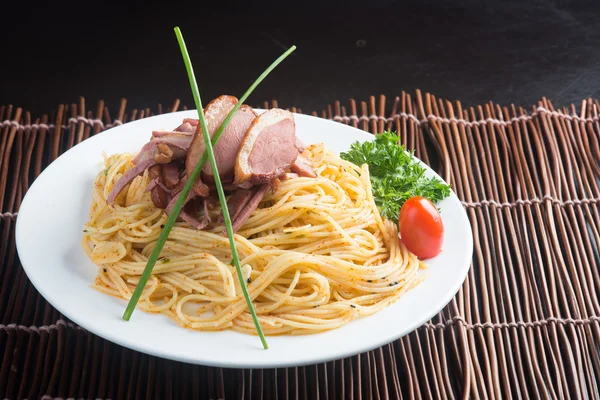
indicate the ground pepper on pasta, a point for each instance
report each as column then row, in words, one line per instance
column 316, row 253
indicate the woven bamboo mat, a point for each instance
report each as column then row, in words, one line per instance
column 525, row 324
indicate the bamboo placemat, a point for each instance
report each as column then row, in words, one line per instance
column 525, row 324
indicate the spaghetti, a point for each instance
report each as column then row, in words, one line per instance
column 316, row 254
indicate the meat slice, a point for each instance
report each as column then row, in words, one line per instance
column 170, row 174
column 186, row 214
column 236, row 203
column 188, row 125
column 214, row 113
column 268, row 149
column 141, row 162
column 155, row 182
column 158, row 192
column 200, row 188
column 302, row 167
column 229, row 143
column 229, row 186
column 176, row 196
column 179, row 186
column 158, row 134
column 242, row 216
column 227, row 147
column 161, row 150
column 177, row 142
column 192, row 121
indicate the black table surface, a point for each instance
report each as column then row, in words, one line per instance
column 473, row 51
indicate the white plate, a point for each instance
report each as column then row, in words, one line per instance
column 48, row 236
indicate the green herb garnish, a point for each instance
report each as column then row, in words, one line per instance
column 395, row 175
column 208, row 154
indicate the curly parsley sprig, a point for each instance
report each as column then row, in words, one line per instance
column 396, row 175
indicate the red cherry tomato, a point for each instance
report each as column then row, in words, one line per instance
column 421, row 227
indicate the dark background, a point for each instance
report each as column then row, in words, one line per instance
column 473, row 51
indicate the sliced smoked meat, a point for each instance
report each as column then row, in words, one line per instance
column 302, row 167
column 268, row 149
column 159, row 150
column 227, row 147
column 229, row 143
column 158, row 192
column 236, row 203
column 258, row 192
column 170, row 173
column 214, row 113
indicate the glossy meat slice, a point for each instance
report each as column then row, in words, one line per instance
column 214, row 113
column 242, row 215
column 229, row 143
column 268, row 149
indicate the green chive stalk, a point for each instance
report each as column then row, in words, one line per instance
column 208, row 154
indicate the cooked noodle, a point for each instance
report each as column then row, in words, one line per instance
column 316, row 254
